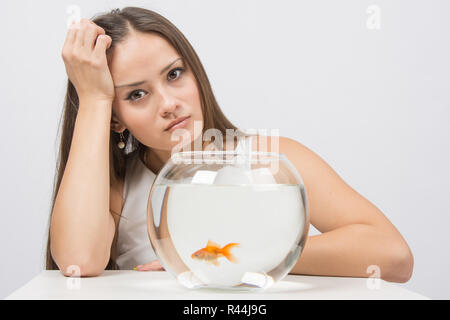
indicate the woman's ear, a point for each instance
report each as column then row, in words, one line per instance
column 116, row 125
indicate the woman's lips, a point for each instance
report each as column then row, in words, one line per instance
column 179, row 125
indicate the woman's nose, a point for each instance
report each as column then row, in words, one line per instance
column 167, row 102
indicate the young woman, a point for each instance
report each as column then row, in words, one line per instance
column 131, row 74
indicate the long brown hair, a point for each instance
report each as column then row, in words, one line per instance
column 117, row 24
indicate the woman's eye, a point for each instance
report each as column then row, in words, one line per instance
column 137, row 94
column 134, row 95
column 173, row 71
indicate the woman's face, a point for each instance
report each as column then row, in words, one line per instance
column 153, row 87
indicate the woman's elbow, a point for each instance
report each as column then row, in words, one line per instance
column 80, row 267
column 401, row 266
column 75, row 270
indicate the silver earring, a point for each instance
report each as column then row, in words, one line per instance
column 121, row 143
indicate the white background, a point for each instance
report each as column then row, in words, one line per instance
column 373, row 103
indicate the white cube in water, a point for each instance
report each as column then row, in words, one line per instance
column 233, row 175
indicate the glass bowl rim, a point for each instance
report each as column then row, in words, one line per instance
column 229, row 152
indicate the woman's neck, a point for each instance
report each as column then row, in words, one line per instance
column 155, row 159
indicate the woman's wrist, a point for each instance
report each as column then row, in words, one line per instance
column 94, row 101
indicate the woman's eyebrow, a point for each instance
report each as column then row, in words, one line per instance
column 166, row 68
column 131, row 84
column 134, row 84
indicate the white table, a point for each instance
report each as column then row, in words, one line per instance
column 129, row 284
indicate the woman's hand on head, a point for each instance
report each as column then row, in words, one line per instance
column 155, row 265
column 84, row 55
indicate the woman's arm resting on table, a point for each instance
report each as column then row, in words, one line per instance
column 355, row 233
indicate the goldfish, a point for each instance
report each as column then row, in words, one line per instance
column 212, row 252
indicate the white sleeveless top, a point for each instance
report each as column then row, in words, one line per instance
column 133, row 243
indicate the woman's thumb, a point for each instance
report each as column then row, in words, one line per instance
column 103, row 42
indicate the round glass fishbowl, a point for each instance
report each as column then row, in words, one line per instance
column 228, row 220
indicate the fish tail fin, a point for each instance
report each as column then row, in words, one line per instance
column 227, row 254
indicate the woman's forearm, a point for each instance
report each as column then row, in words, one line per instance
column 82, row 228
column 348, row 252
